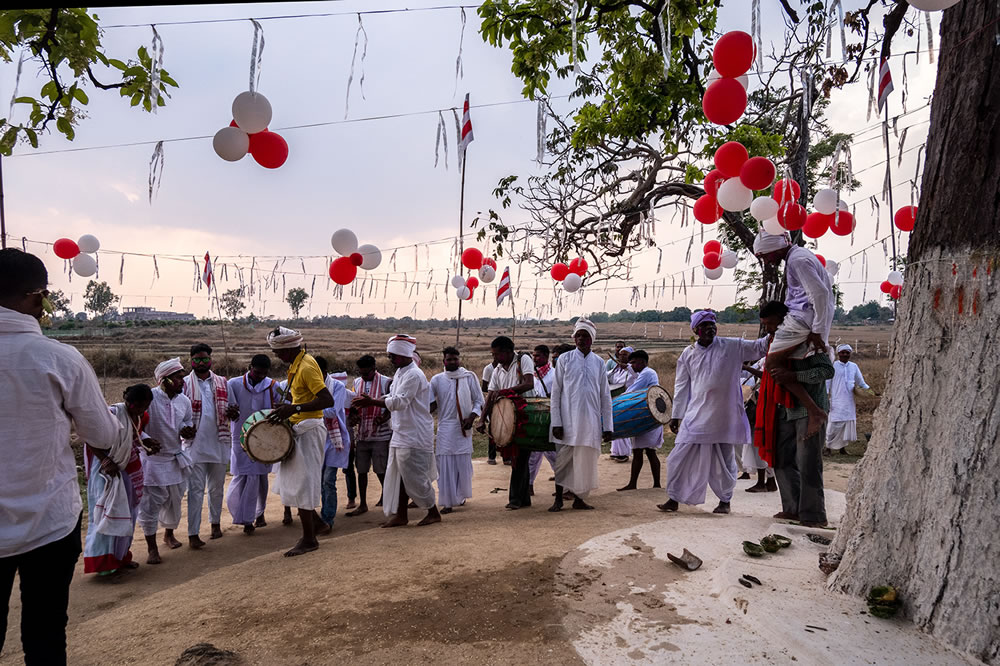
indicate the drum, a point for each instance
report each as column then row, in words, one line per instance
column 641, row 411
column 266, row 442
column 521, row 422
column 617, row 390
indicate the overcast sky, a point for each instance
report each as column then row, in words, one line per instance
column 375, row 177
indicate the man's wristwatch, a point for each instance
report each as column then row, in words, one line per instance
column 298, row 408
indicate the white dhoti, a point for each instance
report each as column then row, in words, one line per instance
column 454, row 479
column 792, row 333
column 621, row 447
column 692, row 468
column 576, row 469
column 160, row 504
column 299, row 479
column 841, row 433
column 416, row 469
column 752, row 461
column 652, row 439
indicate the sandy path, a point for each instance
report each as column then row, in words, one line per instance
column 478, row 587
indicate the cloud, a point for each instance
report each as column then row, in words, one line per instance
column 131, row 195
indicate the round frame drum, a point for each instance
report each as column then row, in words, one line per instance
column 266, row 442
column 522, row 422
column 641, row 411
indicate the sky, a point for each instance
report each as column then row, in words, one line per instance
column 375, row 177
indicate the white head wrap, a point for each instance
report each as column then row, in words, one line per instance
column 339, row 376
column 627, row 350
column 766, row 243
column 284, row 338
column 402, row 345
column 167, row 368
column 844, row 347
column 586, row 325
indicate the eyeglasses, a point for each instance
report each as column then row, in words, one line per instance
column 201, row 360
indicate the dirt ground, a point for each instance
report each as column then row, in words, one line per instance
column 481, row 587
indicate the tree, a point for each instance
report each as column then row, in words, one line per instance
column 296, row 299
column 60, row 304
column 922, row 504
column 65, row 44
column 232, row 303
column 99, row 300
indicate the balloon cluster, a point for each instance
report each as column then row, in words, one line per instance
column 474, row 260
column 731, row 184
column 80, row 253
column 248, row 133
column 344, row 268
column 716, row 259
column 725, row 98
column 893, row 285
column 905, row 218
column 571, row 274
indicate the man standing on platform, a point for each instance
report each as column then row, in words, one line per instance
column 458, row 400
column 374, row 431
column 581, row 417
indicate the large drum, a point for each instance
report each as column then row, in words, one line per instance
column 266, row 442
column 521, row 422
column 641, row 411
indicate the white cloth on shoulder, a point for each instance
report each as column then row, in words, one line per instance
column 112, row 514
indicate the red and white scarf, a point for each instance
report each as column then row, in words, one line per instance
column 369, row 429
column 221, row 391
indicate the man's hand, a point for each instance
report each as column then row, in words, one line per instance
column 151, row 445
column 109, row 468
column 232, row 412
column 467, row 423
column 675, row 425
column 782, row 375
column 363, row 401
column 608, row 436
column 188, row 432
column 557, row 432
column 817, row 341
column 281, row 413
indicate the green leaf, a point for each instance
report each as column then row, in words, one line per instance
column 117, row 64
column 80, row 96
column 144, row 58
column 146, row 104
column 165, row 78
column 64, row 126
column 32, row 137
column 136, row 98
column 133, row 71
column 49, row 90
column 100, row 56
column 24, row 100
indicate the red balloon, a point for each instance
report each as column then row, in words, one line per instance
column 578, row 266
column 356, row 259
column 816, row 225
column 822, row 259
column 343, row 270
column 896, row 292
column 792, row 216
column 472, row 259
column 713, row 246
column 269, row 149
column 706, row 209
column 489, row 262
column 712, row 260
column 730, row 157
column 559, row 272
column 232, row 123
column 724, row 101
column 905, row 218
column 886, row 286
column 713, row 181
column 472, row 282
column 842, row 223
column 733, row 54
column 757, row 173
column 786, row 190
column 65, row 248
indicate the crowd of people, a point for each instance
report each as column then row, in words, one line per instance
column 763, row 405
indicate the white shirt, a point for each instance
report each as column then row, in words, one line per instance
column 507, row 378
column 707, row 395
column 249, row 398
column 208, row 446
column 166, row 418
column 841, row 388
column 644, row 380
column 408, row 403
column 46, row 384
column 444, row 391
column 543, row 386
column 810, row 291
column 621, row 376
column 581, row 400
column 488, row 373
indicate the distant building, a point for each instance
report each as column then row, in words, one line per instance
column 149, row 314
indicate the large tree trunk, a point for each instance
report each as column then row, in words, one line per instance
column 924, row 505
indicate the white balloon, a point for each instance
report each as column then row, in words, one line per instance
column 826, row 201
column 487, row 274
column 572, row 282
column 842, row 205
column 734, row 196
column 458, row 282
column 252, row 112
column 463, row 292
column 371, row 257
column 742, row 78
column 344, row 242
column 763, row 208
column 772, row 226
column 895, row 278
column 933, row 5
column 231, row 144
column 832, row 267
column 84, row 265
column 88, row 243
column 713, row 273
column 730, row 259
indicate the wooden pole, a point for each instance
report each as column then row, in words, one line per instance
column 513, row 314
column 461, row 246
column 888, row 170
column 3, row 218
column 222, row 323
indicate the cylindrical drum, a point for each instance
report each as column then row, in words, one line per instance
column 266, row 442
column 521, row 422
column 641, row 411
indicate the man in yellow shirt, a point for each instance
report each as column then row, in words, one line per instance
column 299, row 479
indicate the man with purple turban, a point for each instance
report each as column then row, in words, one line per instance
column 708, row 415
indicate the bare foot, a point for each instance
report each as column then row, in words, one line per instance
column 722, row 508
column 378, row 503
column 196, row 542
column 351, row 504
column 757, row 488
column 628, row 487
column 260, row 522
column 743, row 476
column 217, row 532
column 287, row 518
column 781, row 515
column 357, row 512
column 668, row 506
column 580, row 505
column 814, row 523
column 512, row 507
column 656, row 484
column 302, row 547
column 771, row 486
column 323, row 529
column 411, row 505
column 154, row 557
column 168, row 539
column 395, row 521
column 556, row 506
column 446, row 509
column 432, row 517
column 248, row 529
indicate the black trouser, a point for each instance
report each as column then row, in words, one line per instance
column 45, row 573
column 350, row 475
column 520, row 479
column 492, row 451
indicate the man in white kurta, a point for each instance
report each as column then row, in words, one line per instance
column 458, row 400
column 708, row 415
column 843, row 426
column 648, row 442
column 544, row 374
column 581, row 417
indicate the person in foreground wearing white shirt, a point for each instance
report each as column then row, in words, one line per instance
column 47, row 385
column 412, row 470
column 650, row 441
column 843, row 428
column 458, row 399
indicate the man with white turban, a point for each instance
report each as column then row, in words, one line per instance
column 412, row 470
column 708, row 415
column 581, row 416
column 843, row 428
column 621, row 376
column 300, row 478
column 165, row 474
column 458, row 399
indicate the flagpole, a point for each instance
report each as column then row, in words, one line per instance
column 513, row 314
column 888, row 171
column 213, row 286
column 461, row 242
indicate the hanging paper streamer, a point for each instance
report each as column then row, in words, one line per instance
column 459, row 67
column 156, row 56
column 840, row 23
column 899, row 151
column 121, row 271
column 156, row 269
column 17, row 82
column 539, row 131
column 665, row 38
column 576, row 65
column 350, row 77
column 155, row 170
column 755, row 33
column 256, row 54
column 442, row 135
column 871, row 91
column 930, row 38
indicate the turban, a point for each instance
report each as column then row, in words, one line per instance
column 284, row 338
column 627, row 350
column 846, row 348
column 416, row 358
column 167, row 368
column 402, row 345
column 766, row 243
column 586, row 325
column 700, row 317
column 339, row 376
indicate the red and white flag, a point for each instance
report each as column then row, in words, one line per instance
column 884, row 83
column 503, row 289
column 465, row 135
column 207, row 274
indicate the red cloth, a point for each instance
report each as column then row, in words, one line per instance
column 770, row 395
column 221, row 391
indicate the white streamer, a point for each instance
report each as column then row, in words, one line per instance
column 442, row 135
column 576, row 65
column 665, row 40
column 17, row 82
column 350, row 77
column 540, row 118
column 755, row 32
column 256, row 54
column 155, row 170
column 156, row 56
column 459, row 67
